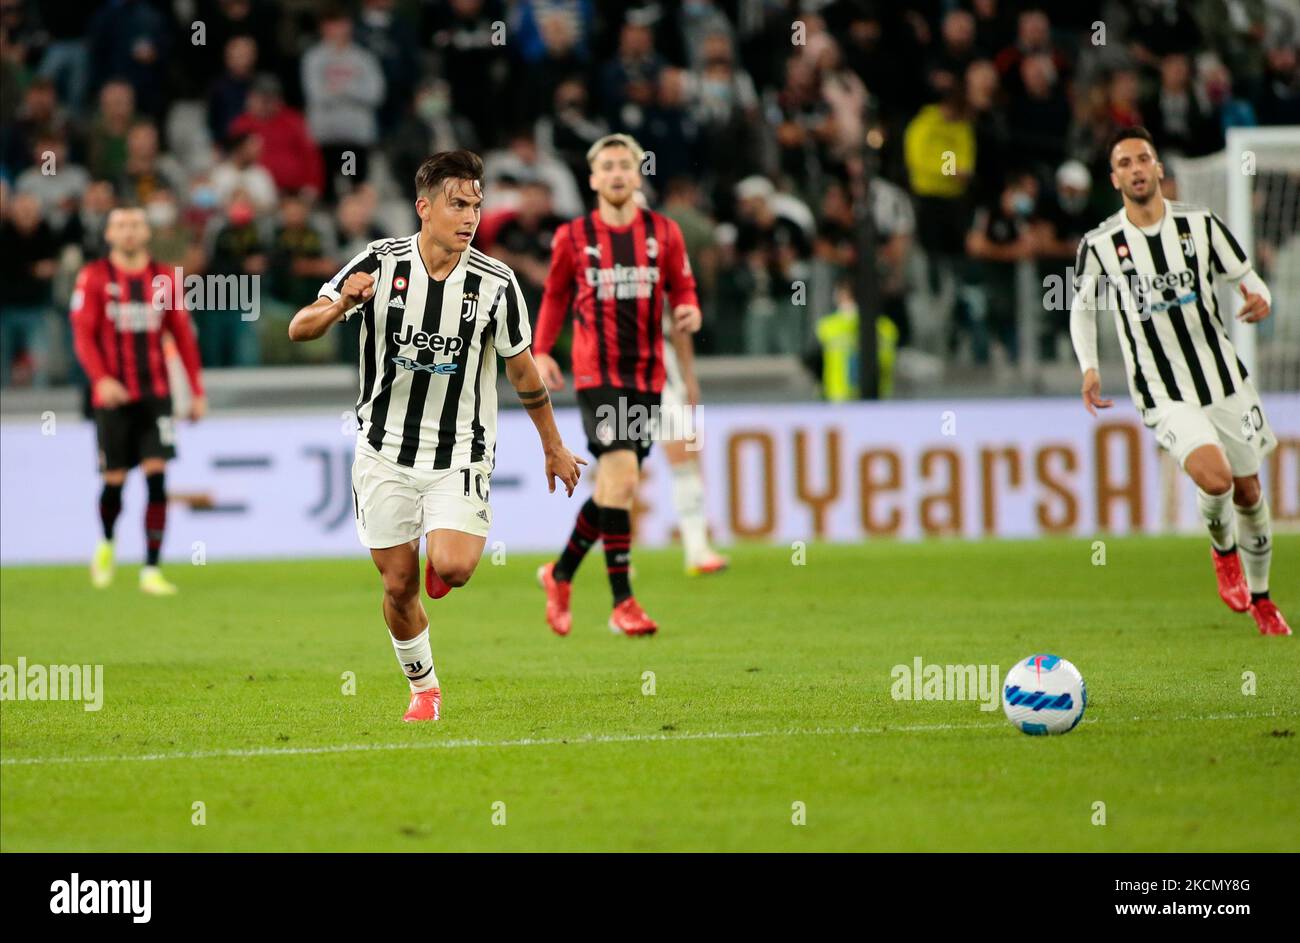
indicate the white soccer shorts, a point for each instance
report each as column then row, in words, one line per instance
column 394, row 504
column 1236, row 423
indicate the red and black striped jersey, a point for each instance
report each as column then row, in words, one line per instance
column 118, row 319
column 615, row 278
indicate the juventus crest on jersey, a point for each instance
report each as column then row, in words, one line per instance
column 1160, row 283
column 428, row 352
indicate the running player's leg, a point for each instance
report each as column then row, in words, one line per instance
column 408, row 626
column 1255, row 531
column 688, row 500
column 1208, row 467
column 454, row 554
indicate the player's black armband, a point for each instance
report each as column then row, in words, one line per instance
column 534, row 399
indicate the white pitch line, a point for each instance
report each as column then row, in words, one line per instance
column 557, row 741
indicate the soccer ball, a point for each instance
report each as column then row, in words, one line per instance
column 1044, row 694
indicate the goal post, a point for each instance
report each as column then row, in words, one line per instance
column 1254, row 186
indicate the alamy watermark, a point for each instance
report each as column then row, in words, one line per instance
column 25, row 682
column 921, row 682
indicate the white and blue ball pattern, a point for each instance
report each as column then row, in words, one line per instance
column 1044, row 694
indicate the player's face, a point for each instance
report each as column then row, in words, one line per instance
column 451, row 216
column 1135, row 171
column 127, row 231
column 615, row 175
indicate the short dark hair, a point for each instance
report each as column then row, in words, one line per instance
column 447, row 165
column 1124, row 134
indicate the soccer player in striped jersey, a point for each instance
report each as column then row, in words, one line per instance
column 613, row 267
column 1155, row 263
column 121, row 306
column 435, row 313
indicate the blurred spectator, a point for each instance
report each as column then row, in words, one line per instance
column 257, row 20
column 1155, row 28
column 130, row 41
column 1233, row 112
column 85, row 229
column 390, row 37
column 242, row 172
column 992, row 127
column 1039, row 115
column 1067, row 217
column 939, row 147
column 667, row 128
column 523, row 241
column 344, row 87
column 27, row 266
column 1001, row 235
column 628, row 82
column 553, row 41
column 38, row 116
column 287, row 150
column 569, row 130
column 801, row 119
column 838, row 361
column 956, row 51
column 770, row 247
column 229, row 95
column 146, row 169
column 66, row 60
column 1033, row 38
column 171, row 242
column 1279, row 101
column 225, row 338
column 431, row 125
column 1122, row 105
column 356, row 224
column 298, row 263
column 106, row 146
column 522, row 159
column 472, row 52
column 1177, row 117
column 55, row 181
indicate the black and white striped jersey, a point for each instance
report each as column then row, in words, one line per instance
column 428, row 352
column 1160, row 284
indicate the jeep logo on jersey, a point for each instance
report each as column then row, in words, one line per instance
column 406, row 363
column 438, row 343
column 469, row 306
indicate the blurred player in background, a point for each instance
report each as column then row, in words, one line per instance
column 613, row 267
column 121, row 308
column 435, row 313
column 1157, row 260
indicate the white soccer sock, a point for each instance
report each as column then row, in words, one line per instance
column 1216, row 509
column 1256, row 541
column 688, row 498
column 416, row 658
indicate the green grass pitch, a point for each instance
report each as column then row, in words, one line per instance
column 771, row 687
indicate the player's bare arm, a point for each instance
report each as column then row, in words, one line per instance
column 524, row 376
column 684, row 348
column 316, row 318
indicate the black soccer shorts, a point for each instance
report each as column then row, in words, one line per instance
column 131, row 433
column 618, row 418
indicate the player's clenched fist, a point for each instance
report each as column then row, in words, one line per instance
column 358, row 288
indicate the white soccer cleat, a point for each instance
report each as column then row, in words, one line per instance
column 101, row 565
column 153, row 582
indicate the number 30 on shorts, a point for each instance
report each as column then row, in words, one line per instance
column 479, row 488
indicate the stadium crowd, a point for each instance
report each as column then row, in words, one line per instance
column 277, row 138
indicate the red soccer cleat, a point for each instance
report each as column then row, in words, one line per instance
column 558, row 616
column 1232, row 581
column 713, row 563
column 433, row 584
column 425, row 705
column 629, row 618
column 1269, row 618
